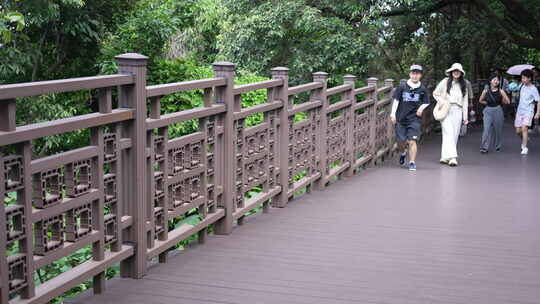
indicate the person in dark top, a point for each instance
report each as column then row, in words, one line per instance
column 493, row 98
column 410, row 100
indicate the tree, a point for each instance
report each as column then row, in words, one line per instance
column 259, row 35
column 54, row 39
column 480, row 34
column 518, row 20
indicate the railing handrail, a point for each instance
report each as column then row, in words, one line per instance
column 27, row 89
column 120, row 193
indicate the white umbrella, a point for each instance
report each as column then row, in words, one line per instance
column 517, row 69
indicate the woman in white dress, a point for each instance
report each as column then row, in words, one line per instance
column 452, row 90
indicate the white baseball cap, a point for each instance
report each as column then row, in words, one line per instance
column 416, row 67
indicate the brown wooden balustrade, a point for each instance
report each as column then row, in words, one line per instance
column 120, row 193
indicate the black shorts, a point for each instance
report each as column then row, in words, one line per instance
column 408, row 131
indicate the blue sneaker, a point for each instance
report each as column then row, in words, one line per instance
column 412, row 166
column 402, row 159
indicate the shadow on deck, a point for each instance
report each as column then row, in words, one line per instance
column 439, row 235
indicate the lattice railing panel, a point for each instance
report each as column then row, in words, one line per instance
column 57, row 205
column 381, row 130
column 303, row 157
column 362, row 143
column 336, row 139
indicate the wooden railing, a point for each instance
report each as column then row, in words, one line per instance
column 121, row 193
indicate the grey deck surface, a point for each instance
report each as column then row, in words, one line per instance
column 439, row 235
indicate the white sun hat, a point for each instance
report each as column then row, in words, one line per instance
column 455, row 66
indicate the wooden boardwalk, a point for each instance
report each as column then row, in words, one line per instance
column 467, row 235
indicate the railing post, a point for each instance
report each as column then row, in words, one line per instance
column 134, row 97
column 283, row 133
column 350, row 79
column 372, row 82
column 7, row 115
column 8, row 124
column 225, row 95
column 390, row 128
column 321, row 150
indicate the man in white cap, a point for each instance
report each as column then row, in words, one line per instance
column 410, row 100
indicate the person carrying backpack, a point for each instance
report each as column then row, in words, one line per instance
column 410, row 100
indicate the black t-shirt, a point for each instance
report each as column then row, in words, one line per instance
column 409, row 101
column 494, row 99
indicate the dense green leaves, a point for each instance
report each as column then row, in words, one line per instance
column 148, row 29
column 482, row 34
column 53, row 39
column 265, row 34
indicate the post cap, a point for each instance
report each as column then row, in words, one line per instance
column 224, row 66
column 131, row 59
column 389, row 82
column 280, row 71
column 372, row 81
column 320, row 76
column 349, row 78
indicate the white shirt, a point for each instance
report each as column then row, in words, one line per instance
column 455, row 97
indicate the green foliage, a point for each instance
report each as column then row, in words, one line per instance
column 53, row 39
column 168, row 71
column 198, row 39
column 259, row 35
column 147, row 30
column 478, row 33
column 53, row 107
column 252, row 98
column 10, row 22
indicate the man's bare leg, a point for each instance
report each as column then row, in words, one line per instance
column 413, row 148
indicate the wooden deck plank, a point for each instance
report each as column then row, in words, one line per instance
column 386, row 236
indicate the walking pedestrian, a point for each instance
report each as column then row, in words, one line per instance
column 452, row 90
column 528, row 96
column 503, row 82
column 410, row 100
column 493, row 98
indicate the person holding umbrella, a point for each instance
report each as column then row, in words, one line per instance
column 528, row 96
column 516, row 89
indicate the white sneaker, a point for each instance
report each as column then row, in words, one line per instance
column 444, row 161
column 524, row 151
